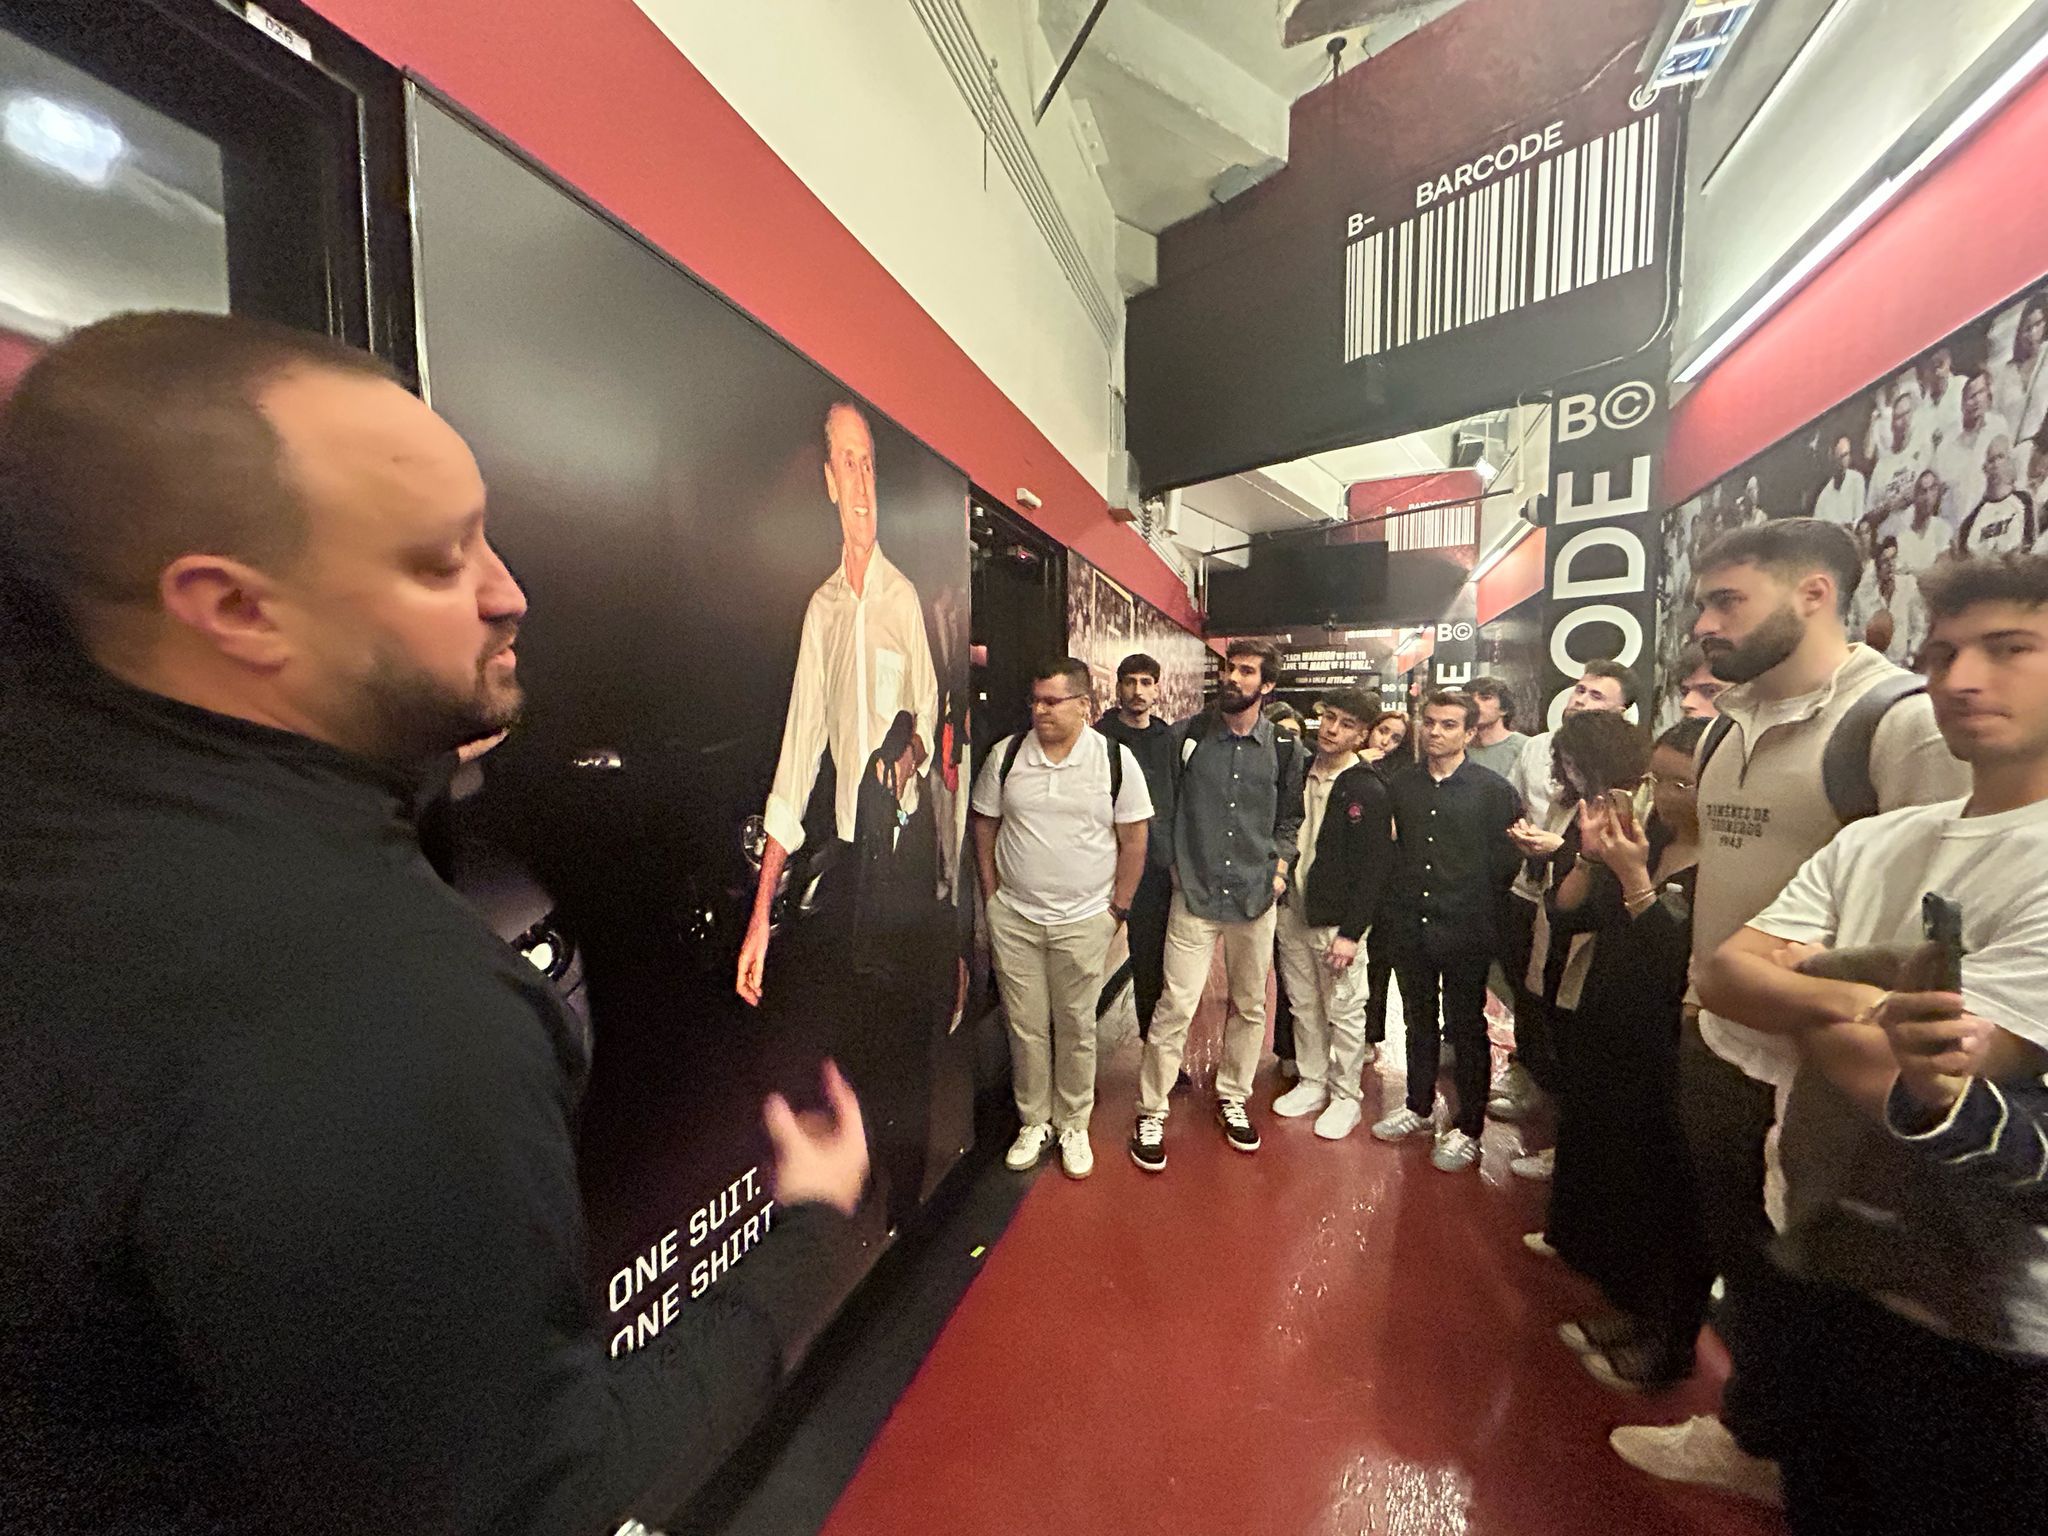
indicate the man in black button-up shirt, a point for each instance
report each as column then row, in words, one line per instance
column 1452, row 865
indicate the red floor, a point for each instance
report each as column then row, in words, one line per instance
column 1320, row 1338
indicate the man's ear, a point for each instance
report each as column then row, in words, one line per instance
column 831, row 485
column 228, row 603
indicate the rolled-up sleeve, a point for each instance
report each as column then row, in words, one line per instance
column 803, row 737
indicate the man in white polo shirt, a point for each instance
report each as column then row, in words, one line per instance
column 1060, row 831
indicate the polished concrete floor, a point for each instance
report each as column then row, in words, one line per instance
column 1326, row 1338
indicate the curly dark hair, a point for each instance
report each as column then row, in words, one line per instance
column 1608, row 750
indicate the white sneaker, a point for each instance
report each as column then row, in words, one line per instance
column 1028, row 1148
column 1538, row 1244
column 1400, row 1125
column 1304, row 1098
column 1699, row 1451
column 1339, row 1120
column 1535, row 1165
column 1455, row 1152
column 1077, row 1158
column 1514, row 1093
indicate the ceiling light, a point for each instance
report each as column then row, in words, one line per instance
column 1880, row 197
column 80, row 144
column 1484, row 470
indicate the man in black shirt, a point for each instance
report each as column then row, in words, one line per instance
column 1453, row 864
column 1151, row 742
column 292, row 1238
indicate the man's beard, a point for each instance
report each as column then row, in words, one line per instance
column 1233, row 699
column 414, row 715
column 1763, row 648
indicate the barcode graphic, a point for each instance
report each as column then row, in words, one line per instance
column 1562, row 224
column 1438, row 528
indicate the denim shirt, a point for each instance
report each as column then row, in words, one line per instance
column 1237, row 818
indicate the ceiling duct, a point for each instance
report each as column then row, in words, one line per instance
column 1307, row 20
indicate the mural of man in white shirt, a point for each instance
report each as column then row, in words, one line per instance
column 1846, row 493
column 2022, row 384
column 1899, row 465
column 2004, row 519
column 864, row 678
column 1960, row 459
column 1941, row 397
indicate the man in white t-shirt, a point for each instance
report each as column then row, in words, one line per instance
column 1846, row 495
column 2022, row 391
column 1898, row 464
column 1059, row 839
column 1883, row 614
column 2003, row 522
column 1918, row 1238
column 1941, row 397
column 1960, row 458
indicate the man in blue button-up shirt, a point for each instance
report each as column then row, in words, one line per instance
column 1236, row 818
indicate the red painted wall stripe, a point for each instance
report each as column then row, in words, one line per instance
column 1972, row 231
column 595, row 92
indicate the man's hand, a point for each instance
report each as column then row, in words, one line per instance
column 753, row 960
column 1341, row 953
column 1279, row 885
column 821, row 1156
column 1938, row 1046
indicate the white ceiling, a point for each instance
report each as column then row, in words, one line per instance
column 1312, row 490
column 1181, row 91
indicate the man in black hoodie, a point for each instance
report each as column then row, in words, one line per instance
column 1347, row 847
column 1152, row 742
column 292, row 1236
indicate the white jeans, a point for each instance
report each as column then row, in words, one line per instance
column 1329, row 1006
column 1049, row 977
column 1247, row 962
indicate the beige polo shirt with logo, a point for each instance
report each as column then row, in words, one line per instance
column 1764, row 812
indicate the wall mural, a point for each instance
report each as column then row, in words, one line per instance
column 1945, row 459
column 1105, row 624
column 747, row 665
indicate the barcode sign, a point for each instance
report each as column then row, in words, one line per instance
column 1552, row 228
column 1437, row 528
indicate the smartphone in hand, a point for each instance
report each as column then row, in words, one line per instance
column 1623, row 805
column 1941, row 920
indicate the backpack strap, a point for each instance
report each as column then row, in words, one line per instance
column 1010, row 750
column 1716, row 734
column 1845, row 760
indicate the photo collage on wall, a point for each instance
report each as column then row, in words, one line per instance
column 1105, row 624
column 1945, row 459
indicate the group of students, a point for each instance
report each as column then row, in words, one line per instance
column 1713, row 943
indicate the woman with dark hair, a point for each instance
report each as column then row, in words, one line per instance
column 1623, row 1210
column 1591, row 753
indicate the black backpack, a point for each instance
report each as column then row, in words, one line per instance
column 1845, row 760
column 1116, row 766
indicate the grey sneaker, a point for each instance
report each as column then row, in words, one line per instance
column 1400, row 1125
column 1455, row 1152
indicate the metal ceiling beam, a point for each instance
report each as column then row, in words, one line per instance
column 1073, row 52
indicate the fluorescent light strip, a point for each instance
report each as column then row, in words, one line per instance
column 1501, row 551
column 1876, row 201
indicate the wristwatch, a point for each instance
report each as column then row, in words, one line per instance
column 1121, row 914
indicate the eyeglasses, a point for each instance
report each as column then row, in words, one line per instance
column 1661, row 781
column 1040, row 701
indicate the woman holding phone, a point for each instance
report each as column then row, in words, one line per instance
column 1623, row 1208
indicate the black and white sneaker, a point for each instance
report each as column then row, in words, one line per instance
column 1237, row 1125
column 1148, row 1143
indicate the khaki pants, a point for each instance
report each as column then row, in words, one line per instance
column 1049, row 978
column 1247, row 962
column 1329, row 1006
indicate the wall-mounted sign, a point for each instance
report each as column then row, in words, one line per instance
column 1380, row 303
column 1604, row 535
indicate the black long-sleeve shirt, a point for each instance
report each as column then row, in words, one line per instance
column 1996, row 1134
column 1452, row 858
column 1156, row 748
column 290, row 1236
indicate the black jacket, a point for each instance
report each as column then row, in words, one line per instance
column 291, row 1236
column 1156, row 748
column 1354, row 855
